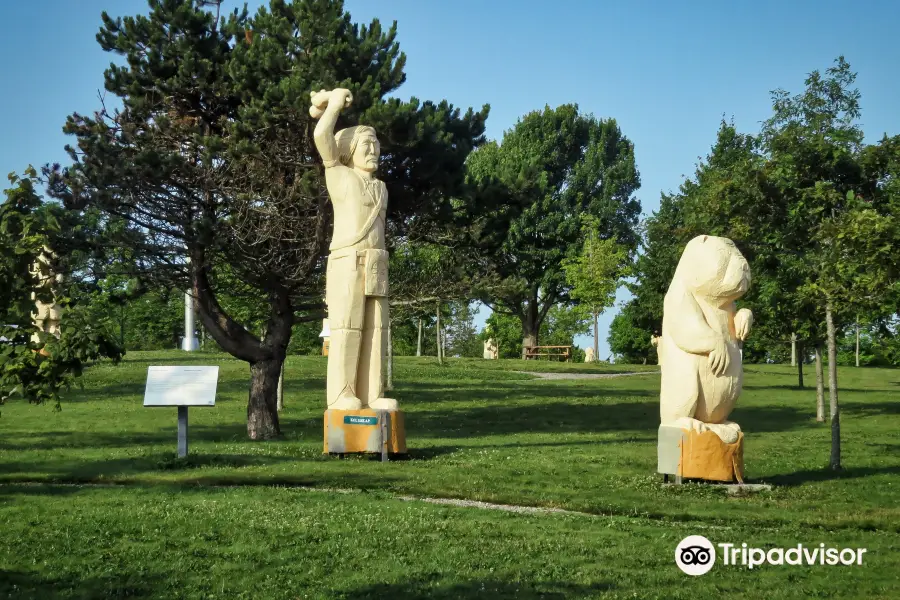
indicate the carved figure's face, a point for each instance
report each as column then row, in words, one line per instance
column 736, row 279
column 714, row 268
column 368, row 150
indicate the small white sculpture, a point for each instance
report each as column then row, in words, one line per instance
column 702, row 335
column 491, row 352
column 589, row 354
column 356, row 288
column 47, row 317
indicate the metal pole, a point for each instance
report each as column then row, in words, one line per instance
column 384, row 435
column 182, row 431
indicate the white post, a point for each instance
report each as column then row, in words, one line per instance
column 189, row 343
column 793, row 349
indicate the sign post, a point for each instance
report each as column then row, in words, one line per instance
column 182, row 431
column 181, row 387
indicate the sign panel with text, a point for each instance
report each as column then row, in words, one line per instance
column 181, row 386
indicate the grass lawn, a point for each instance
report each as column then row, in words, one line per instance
column 241, row 519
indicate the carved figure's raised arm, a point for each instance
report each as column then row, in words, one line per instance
column 326, row 107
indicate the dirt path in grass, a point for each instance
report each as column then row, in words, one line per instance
column 585, row 375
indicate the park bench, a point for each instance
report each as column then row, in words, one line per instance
column 561, row 353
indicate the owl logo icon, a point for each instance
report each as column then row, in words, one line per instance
column 695, row 555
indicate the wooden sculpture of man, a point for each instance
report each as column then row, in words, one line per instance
column 356, row 288
column 47, row 317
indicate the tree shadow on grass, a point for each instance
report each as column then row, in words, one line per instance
column 423, row 393
column 78, row 470
column 486, row 588
column 191, row 473
column 53, row 440
column 29, row 585
column 806, row 389
column 430, row 452
column 565, row 417
column 11, row 493
column 871, row 409
column 827, row 474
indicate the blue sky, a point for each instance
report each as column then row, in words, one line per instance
column 666, row 71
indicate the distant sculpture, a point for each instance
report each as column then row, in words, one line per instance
column 356, row 288
column 491, row 351
column 589, row 355
column 325, row 334
column 654, row 341
column 702, row 334
column 47, row 316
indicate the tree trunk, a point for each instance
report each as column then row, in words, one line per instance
column 833, row 391
column 280, row 403
column 820, row 386
column 419, row 345
column 857, row 341
column 437, row 330
column 596, row 337
column 530, row 326
column 799, row 347
column 793, row 349
column 262, row 408
column 265, row 356
column 389, row 379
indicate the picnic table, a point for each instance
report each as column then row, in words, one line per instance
column 561, row 353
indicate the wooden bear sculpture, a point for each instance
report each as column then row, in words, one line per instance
column 702, row 334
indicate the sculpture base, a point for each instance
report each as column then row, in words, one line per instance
column 686, row 453
column 365, row 430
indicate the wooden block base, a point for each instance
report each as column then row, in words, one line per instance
column 364, row 431
column 691, row 455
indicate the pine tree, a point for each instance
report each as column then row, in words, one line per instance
column 208, row 174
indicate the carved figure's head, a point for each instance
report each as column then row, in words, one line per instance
column 358, row 148
column 713, row 268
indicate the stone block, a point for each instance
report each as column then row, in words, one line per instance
column 694, row 455
column 364, row 431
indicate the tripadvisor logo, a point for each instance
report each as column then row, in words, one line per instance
column 696, row 555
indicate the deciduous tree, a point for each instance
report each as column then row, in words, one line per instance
column 556, row 167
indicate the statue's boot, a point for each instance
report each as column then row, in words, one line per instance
column 728, row 431
column 384, row 404
column 343, row 365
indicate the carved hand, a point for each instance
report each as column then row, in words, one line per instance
column 322, row 99
column 718, row 357
column 743, row 319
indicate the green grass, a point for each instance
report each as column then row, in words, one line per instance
column 230, row 521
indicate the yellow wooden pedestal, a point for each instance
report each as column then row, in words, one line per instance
column 365, row 430
column 693, row 455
